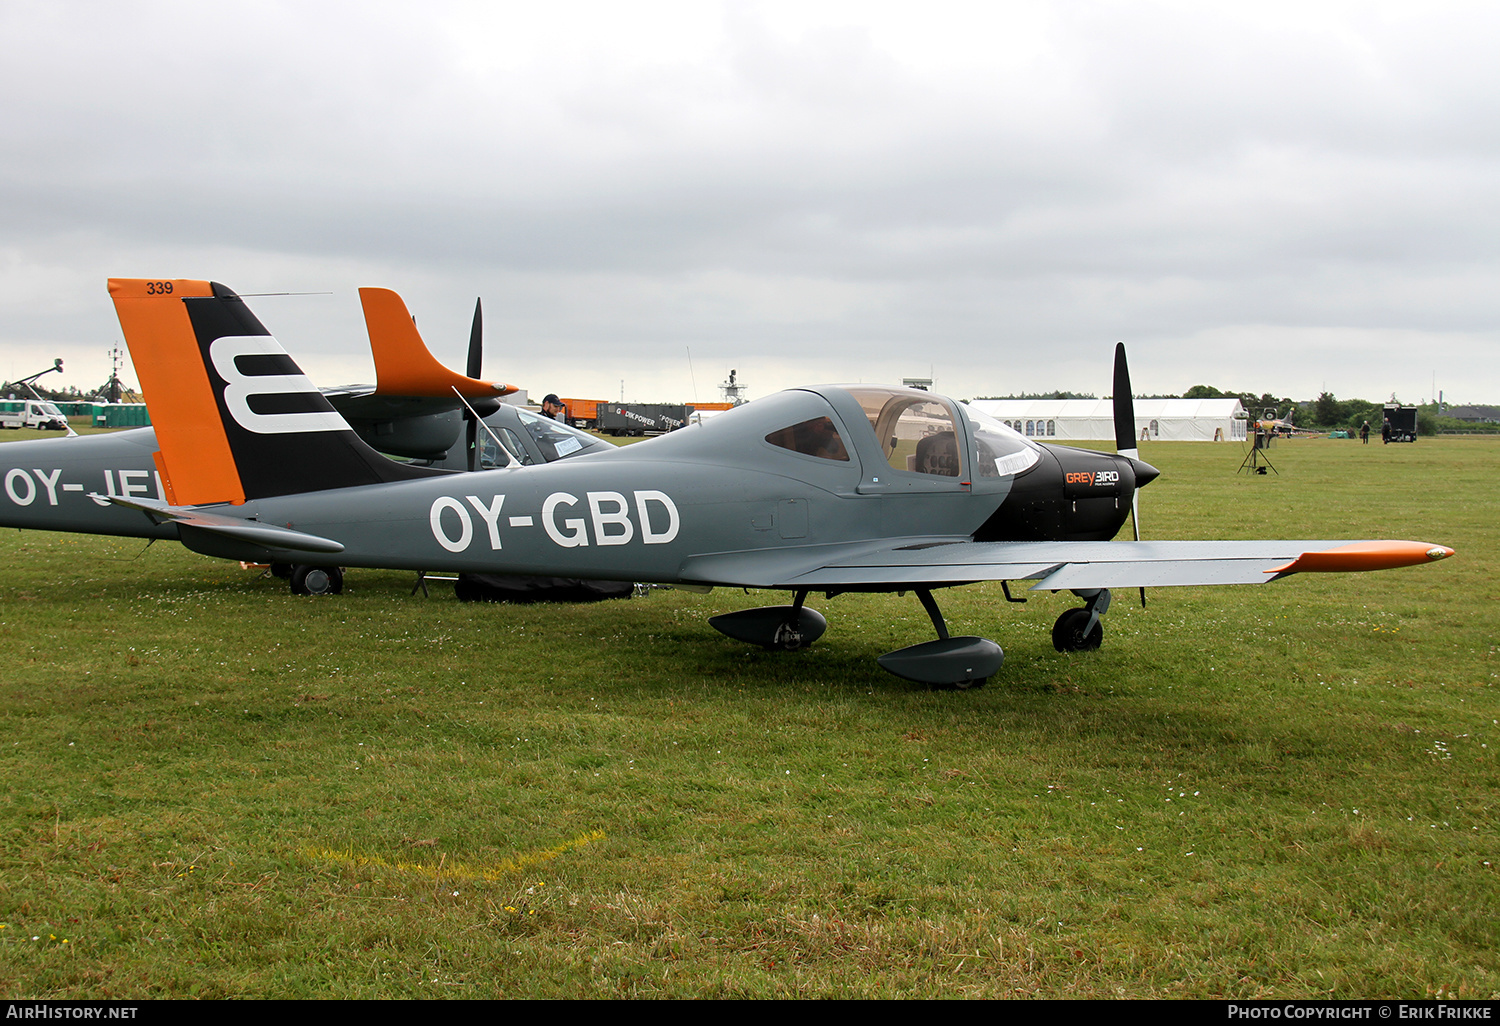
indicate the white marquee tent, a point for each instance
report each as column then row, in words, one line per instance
column 1093, row 420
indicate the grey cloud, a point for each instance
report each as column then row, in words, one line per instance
column 1156, row 173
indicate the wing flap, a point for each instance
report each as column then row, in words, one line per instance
column 1155, row 573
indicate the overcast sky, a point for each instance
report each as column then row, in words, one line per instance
column 1280, row 197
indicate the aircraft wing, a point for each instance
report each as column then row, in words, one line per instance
column 1054, row 566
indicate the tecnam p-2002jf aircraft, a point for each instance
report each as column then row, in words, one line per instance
column 826, row 489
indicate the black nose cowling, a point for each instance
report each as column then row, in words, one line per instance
column 1070, row 495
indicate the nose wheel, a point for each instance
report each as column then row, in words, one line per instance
column 1080, row 630
column 1072, row 633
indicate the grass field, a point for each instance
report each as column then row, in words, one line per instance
column 211, row 788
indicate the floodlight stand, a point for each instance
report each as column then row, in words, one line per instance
column 1256, row 461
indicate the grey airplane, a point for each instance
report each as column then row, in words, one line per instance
column 418, row 410
column 828, row 489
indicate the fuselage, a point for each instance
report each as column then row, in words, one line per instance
column 766, row 476
column 62, row 484
column 58, row 484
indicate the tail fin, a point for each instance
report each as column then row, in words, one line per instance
column 403, row 364
column 235, row 417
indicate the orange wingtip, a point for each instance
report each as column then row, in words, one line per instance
column 403, row 364
column 1369, row 555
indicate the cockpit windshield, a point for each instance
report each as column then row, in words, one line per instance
column 1003, row 452
column 555, row 438
column 552, row 439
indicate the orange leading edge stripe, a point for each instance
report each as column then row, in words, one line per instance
column 168, row 361
column 1370, row 555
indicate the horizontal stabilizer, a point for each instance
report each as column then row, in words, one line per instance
column 234, row 528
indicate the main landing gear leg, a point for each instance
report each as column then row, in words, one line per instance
column 965, row 662
column 316, row 580
column 789, row 636
column 1079, row 630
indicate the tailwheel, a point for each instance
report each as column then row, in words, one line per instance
column 1072, row 632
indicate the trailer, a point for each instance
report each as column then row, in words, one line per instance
column 1403, row 422
column 642, row 418
column 583, row 413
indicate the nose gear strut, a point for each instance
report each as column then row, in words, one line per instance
column 1079, row 630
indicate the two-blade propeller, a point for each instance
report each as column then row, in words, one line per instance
column 1125, row 444
column 473, row 369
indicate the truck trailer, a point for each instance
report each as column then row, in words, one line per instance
column 1403, row 422
column 641, row 418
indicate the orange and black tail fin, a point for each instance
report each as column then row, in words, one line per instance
column 235, row 417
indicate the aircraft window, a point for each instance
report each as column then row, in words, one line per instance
column 816, row 437
column 1002, row 450
column 915, row 430
column 510, row 450
column 491, row 455
column 555, row 438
